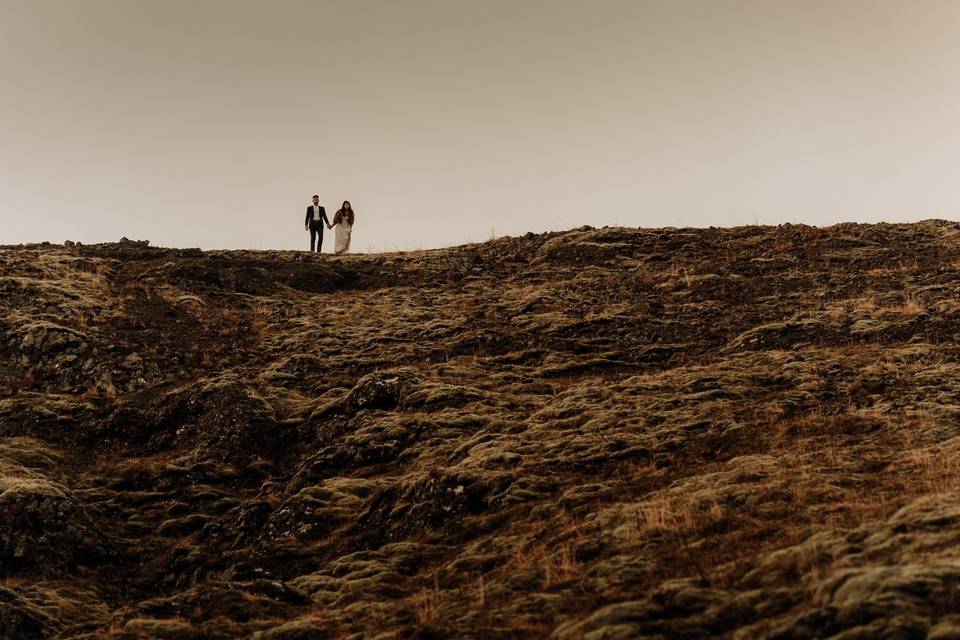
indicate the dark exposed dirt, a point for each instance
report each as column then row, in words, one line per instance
column 603, row 433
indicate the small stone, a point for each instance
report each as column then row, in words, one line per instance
column 132, row 361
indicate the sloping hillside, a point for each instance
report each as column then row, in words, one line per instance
column 603, row 433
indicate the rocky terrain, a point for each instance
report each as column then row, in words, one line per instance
column 603, row 433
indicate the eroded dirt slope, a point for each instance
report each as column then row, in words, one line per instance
column 603, row 433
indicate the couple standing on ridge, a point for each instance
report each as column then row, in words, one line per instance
column 342, row 220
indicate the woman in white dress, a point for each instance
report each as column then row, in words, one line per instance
column 343, row 221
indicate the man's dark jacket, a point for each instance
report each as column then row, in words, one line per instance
column 323, row 215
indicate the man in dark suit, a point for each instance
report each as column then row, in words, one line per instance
column 316, row 218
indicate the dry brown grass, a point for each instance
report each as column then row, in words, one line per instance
column 558, row 565
column 931, row 470
column 554, row 561
column 425, row 603
column 901, row 267
column 676, row 514
column 910, row 307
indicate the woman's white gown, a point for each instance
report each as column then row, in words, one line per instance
column 342, row 241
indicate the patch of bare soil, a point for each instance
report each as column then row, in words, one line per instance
column 603, row 433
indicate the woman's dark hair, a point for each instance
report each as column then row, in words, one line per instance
column 346, row 203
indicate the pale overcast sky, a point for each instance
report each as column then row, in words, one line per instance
column 210, row 123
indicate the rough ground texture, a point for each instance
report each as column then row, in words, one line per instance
column 604, row 433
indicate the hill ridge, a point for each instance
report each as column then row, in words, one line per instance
column 605, row 433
